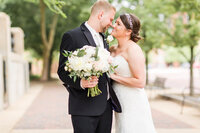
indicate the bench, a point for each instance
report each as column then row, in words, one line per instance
column 183, row 98
column 189, row 99
column 158, row 84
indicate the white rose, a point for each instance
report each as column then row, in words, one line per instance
column 87, row 66
column 110, row 38
column 110, row 30
column 76, row 63
column 90, row 51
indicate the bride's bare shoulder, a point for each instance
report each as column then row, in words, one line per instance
column 133, row 47
column 135, row 51
column 113, row 49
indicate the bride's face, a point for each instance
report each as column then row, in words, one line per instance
column 119, row 29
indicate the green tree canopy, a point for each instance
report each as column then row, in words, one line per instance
column 27, row 16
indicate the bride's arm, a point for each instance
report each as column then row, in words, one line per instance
column 136, row 63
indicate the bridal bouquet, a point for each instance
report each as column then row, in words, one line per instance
column 86, row 62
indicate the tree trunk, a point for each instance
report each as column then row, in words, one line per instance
column 48, row 43
column 147, row 69
column 146, row 59
column 191, row 70
column 46, row 59
column 50, row 62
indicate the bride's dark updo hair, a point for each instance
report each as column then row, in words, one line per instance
column 133, row 23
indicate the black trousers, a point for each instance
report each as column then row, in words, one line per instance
column 94, row 124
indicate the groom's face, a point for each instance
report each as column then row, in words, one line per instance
column 106, row 20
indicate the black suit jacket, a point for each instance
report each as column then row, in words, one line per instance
column 79, row 103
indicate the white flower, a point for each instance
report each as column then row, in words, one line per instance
column 86, row 47
column 102, row 64
column 110, row 30
column 86, row 66
column 110, row 38
column 90, row 51
column 66, row 68
column 76, row 63
column 104, row 54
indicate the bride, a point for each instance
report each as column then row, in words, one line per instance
column 129, row 78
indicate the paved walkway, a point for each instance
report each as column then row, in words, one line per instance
column 44, row 110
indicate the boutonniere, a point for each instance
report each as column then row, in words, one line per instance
column 109, row 39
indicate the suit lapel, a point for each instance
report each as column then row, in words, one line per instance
column 88, row 35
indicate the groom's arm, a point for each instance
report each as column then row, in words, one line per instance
column 68, row 45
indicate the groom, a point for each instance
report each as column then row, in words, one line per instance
column 90, row 114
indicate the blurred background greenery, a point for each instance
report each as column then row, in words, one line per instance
column 169, row 25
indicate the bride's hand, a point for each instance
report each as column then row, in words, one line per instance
column 113, row 76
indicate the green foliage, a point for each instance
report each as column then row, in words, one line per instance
column 152, row 15
column 159, row 27
column 96, row 54
column 172, row 54
column 185, row 30
column 189, row 6
column 34, row 77
column 21, row 16
column 81, row 53
column 65, row 53
column 27, row 16
column 75, row 16
column 33, row 1
column 54, row 5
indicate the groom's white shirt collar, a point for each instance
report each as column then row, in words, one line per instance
column 90, row 28
column 93, row 32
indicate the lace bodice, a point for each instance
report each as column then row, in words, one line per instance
column 123, row 66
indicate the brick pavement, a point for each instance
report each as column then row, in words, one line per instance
column 162, row 120
column 49, row 111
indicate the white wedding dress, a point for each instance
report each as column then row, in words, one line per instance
column 136, row 114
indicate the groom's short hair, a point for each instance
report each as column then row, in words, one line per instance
column 101, row 5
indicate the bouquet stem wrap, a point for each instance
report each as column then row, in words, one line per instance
column 95, row 91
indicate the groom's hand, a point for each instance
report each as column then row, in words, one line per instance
column 89, row 83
